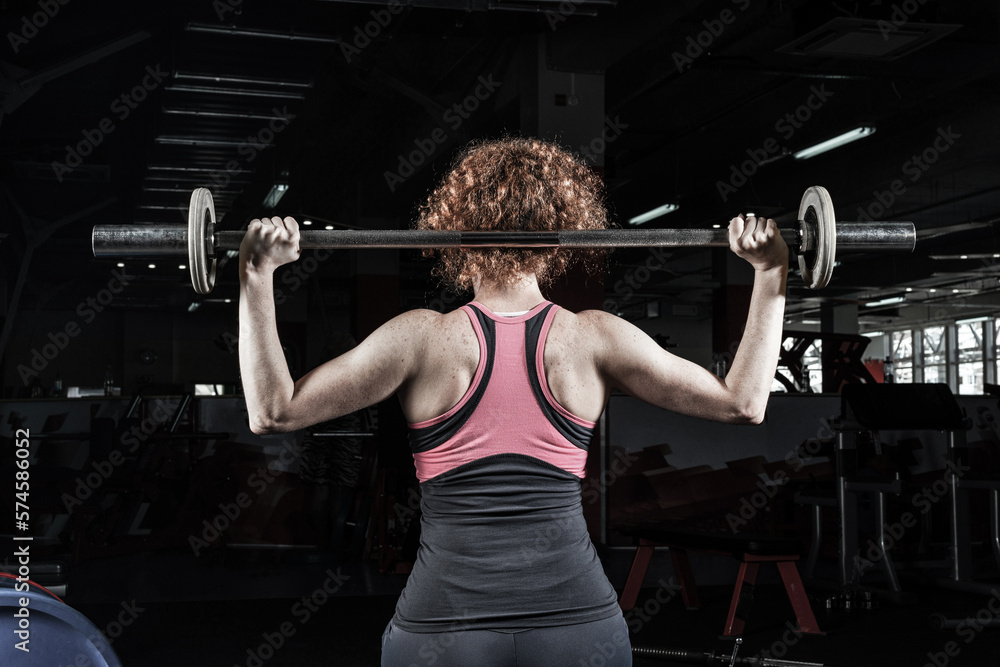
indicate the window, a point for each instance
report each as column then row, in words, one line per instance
column 970, row 357
column 935, row 354
column 902, row 355
column 964, row 355
column 995, row 362
column 812, row 362
column 812, row 365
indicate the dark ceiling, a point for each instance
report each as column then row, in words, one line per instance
column 237, row 96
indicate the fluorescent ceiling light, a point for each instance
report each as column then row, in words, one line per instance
column 261, row 33
column 252, row 80
column 277, row 191
column 655, row 213
column 874, row 334
column 202, row 113
column 238, row 92
column 886, row 302
column 836, row 142
column 968, row 255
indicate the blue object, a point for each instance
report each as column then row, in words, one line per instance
column 58, row 635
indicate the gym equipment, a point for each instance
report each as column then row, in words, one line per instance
column 973, row 620
column 692, row 657
column 57, row 634
column 816, row 239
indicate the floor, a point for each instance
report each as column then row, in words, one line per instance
column 305, row 610
column 346, row 630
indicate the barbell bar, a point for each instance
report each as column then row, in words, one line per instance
column 816, row 239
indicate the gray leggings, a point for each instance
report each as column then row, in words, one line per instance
column 602, row 643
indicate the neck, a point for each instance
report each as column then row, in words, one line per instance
column 509, row 298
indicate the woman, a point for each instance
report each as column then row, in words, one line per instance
column 502, row 396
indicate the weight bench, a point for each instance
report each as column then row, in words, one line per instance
column 751, row 550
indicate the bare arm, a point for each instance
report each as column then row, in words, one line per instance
column 633, row 362
column 369, row 373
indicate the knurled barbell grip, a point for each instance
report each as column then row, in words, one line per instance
column 167, row 240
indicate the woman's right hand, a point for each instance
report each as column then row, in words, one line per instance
column 270, row 243
column 758, row 241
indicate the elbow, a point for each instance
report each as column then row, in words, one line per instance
column 262, row 427
column 750, row 414
column 266, row 425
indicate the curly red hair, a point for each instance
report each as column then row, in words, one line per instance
column 513, row 184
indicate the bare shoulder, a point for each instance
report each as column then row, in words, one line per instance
column 597, row 319
column 577, row 335
column 433, row 335
column 595, row 326
column 422, row 324
column 417, row 317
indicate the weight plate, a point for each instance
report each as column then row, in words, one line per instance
column 201, row 226
column 816, row 210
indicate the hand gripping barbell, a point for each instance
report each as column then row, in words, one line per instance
column 816, row 239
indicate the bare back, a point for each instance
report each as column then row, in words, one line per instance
column 450, row 355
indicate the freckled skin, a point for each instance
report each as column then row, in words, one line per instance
column 429, row 359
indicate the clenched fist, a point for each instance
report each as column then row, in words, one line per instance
column 758, row 241
column 270, row 243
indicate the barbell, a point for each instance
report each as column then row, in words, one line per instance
column 817, row 239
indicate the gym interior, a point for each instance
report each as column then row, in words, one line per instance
column 858, row 524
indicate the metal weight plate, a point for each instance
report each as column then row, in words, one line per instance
column 59, row 634
column 816, row 209
column 201, row 227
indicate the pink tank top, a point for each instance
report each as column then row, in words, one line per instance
column 508, row 408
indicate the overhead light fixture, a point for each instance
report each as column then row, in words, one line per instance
column 194, row 306
column 883, row 39
column 251, row 80
column 203, row 113
column 888, row 301
column 238, row 92
column 277, row 191
column 653, row 214
column 199, row 141
column 972, row 320
column 261, row 33
column 968, row 255
column 874, row 334
column 307, row 222
column 836, row 142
